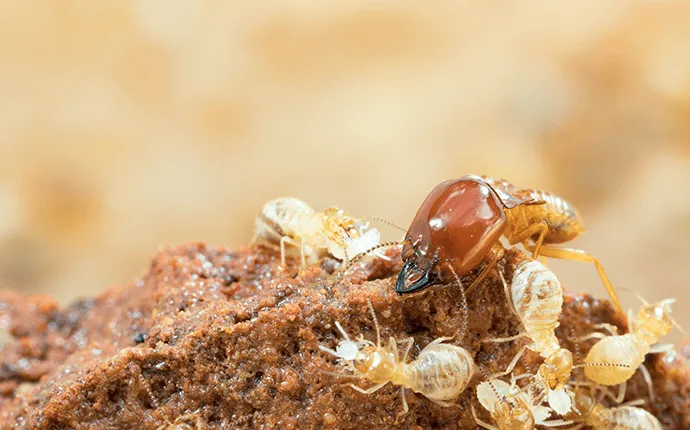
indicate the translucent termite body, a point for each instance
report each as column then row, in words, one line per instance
column 461, row 221
column 510, row 407
column 536, row 297
column 290, row 221
column 622, row 418
column 627, row 417
column 440, row 372
column 652, row 322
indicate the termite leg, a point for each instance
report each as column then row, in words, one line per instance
column 618, row 399
column 440, row 339
column 523, row 376
column 656, row 349
column 282, row 250
column 382, row 256
column 512, row 364
column 504, row 339
column 480, row 422
column 440, row 403
column 594, row 335
column 621, row 392
column 522, row 236
column 580, row 255
column 648, row 379
column 393, row 347
column 404, row 402
column 301, row 252
column 506, row 290
column 410, row 342
column 610, row 328
column 495, row 254
column 371, row 390
column 290, row 241
column 631, row 320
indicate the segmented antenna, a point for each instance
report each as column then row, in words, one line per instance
column 354, row 260
column 376, row 323
column 575, row 342
column 601, row 365
column 485, row 373
column 384, row 221
column 636, row 294
column 462, row 331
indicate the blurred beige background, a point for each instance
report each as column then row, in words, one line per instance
column 125, row 125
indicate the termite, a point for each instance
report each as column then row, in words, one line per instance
column 462, row 220
column 652, row 322
column 509, row 406
column 591, row 412
column 290, row 221
column 440, row 372
column 536, row 296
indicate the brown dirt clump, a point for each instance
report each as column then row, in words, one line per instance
column 211, row 338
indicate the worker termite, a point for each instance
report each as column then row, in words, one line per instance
column 536, row 297
column 440, row 372
column 591, row 412
column 462, row 220
column 290, row 221
column 509, row 406
column 652, row 322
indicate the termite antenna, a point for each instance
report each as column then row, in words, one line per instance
column 340, row 375
column 354, row 260
column 342, row 331
column 462, row 331
column 383, row 221
column 676, row 325
column 576, row 344
column 556, row 423
column 636, row 294
column 487, row 377
column 506, row 289
column 376, row 323
column 601, row 365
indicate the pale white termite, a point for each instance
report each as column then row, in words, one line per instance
column 290, row 221
column 536, row 297
column 510, row 407
column 592, row 413
column 652, row 322
column 440, row 372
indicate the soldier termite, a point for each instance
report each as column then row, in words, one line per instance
column 462, row 220
column 536, row 297
column 288, row 221
column 440, row 372
column 652, row 322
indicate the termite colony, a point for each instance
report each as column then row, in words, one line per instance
column 457, row 231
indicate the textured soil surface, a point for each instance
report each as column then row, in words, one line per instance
column 211, row 338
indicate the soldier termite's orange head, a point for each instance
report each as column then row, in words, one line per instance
column 458, row 222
